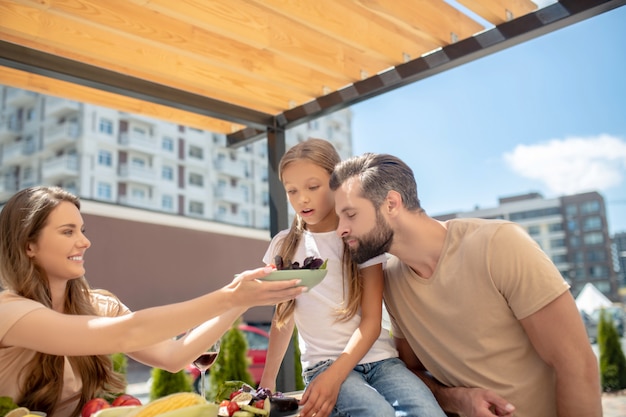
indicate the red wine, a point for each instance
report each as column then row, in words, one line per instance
column 205, row 360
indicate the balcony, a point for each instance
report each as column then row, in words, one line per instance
column 138, row 142
column 138, row 202
column 18, row 152
column 233, row 168
column 57, row 107
column 18, row 98
column 231, row 194
column 8, row 187
column 138, row 174
column 61, row 135
column 56, row 169
column 10, row 127
column 231, row 218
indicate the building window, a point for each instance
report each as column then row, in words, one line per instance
column 592, row 223
column 167, row 202
column 167, row 173
column 196, row 207
column 555, row 227
column 104, row 191
column 105, row 158
column 138, row 194
column 559, row 259
column 106, row 126
column 557, row 243
column 196, row 152
column 590, row 207
column 196, row 179
column 139, row 132
column 167, row 144
column 596, row 256
column 593, row 238
column 534, row 230
column 598, row 271
column 571, row 210
column 137, row 162
column 572, row 225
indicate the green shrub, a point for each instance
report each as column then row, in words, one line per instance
column 120, row 365
column 612, row 359
column 232, row 362
column 165, row 383
column 296, row 360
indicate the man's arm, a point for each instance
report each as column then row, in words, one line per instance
column 558, row 334
column 470, row 402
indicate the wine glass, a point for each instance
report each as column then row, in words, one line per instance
column 204, row 362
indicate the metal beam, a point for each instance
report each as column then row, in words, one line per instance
column 53, row 66
column 505, row 35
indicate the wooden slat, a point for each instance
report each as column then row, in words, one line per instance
column 434, row 17
column 250, row 23
column 352, row 24
column 208, row 47
column 499, row 11
column 93, row 44
column 48, row 86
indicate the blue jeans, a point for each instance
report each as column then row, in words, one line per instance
column 380, row 389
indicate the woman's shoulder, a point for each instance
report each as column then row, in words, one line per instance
column 107, row 303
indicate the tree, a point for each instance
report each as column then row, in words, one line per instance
column 165, row 383
column 297, row 362
column 232, row 362
column 612, row 359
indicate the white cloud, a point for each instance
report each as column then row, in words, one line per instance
column 572, row 165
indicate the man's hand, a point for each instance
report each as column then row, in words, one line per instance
column 479, row 402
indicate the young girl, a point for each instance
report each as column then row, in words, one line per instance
column 56, row 333
column 350, row 364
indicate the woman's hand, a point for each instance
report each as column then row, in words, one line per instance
column 250, row 291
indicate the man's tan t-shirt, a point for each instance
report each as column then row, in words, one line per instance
column 463, row 321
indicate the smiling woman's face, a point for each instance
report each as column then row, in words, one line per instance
column 61, row 244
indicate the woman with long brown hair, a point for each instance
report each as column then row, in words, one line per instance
column 57, row 334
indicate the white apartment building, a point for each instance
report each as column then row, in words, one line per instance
column 106, row 155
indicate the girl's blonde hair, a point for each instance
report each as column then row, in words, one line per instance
column 323, row 154
column 21, row 222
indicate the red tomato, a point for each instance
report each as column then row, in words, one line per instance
column 232, row 407
column 93, row 405
column 259, row 404
column 125, row 399
column 224, row 403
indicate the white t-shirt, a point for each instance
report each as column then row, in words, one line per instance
column 321, row 335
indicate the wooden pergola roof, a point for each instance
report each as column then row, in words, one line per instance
column 250, row 68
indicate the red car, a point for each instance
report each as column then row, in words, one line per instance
column 258, row 340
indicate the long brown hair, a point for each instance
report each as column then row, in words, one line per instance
column 21, row 222
column 323, row 154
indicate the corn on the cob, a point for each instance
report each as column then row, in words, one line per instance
column 202, row 410
column 168, row 403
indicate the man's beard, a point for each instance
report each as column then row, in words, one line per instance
column 376, row 242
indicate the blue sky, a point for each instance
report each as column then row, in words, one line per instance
column 547, row 115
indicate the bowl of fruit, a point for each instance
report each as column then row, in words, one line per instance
column 311, row 272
